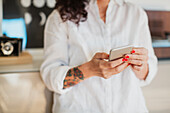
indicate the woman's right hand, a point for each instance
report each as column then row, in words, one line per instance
column 97, row 66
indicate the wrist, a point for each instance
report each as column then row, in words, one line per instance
column 85, row 69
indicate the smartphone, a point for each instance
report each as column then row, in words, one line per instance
column 120, row 52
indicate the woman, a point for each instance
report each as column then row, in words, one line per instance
column 78, row 37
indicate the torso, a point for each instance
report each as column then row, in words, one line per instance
column 121, row 92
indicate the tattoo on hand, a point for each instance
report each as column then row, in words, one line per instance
column 73, row 77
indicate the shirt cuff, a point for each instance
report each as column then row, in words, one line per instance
column 151, row 74
column 60, row 80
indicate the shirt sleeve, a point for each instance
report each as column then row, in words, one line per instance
column 55, row 65
column 144, row 40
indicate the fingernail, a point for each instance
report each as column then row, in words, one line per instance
column 129, row 64
column 108, row 55
column 127, row 56
column 124, row 59
column 133, row 51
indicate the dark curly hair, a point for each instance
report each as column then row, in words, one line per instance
column 72, row 10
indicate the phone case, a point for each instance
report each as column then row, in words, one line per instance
column 119, row 52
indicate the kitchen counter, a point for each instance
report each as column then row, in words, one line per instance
column 37, row 55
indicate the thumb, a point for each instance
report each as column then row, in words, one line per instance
column 101, row 56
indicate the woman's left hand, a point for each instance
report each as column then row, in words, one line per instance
column 139, row 62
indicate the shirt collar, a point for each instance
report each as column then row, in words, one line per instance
column 119, row 2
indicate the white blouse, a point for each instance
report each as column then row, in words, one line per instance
column 67, row 46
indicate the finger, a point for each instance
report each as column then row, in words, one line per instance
column 116, row 62
column 104, row 73
column 140, row 51
column 119, row 68
column 136, row 57
column 135, row 62
column 107, row 73
column 138, row 68
column 101, row 56
column 105, row 64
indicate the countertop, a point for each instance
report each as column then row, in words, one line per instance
column 37, row 55
column 161, row 43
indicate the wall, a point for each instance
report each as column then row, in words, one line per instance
column 35, row 13
column 159, row 23
column 153, row 4
column 157, row 94
column 0, row 17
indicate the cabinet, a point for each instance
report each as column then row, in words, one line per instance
column 24, row 93
column 22, row 89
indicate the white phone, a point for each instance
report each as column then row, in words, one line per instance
column 120, row 52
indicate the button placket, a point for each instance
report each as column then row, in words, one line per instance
column 107, row 43
column 107, row 39
column 107, row 46
column 108, row 97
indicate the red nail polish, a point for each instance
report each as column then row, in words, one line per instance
column 108, row 55
column 133, row 51
column 129, row 64
column 127, row 57
column 124, row 59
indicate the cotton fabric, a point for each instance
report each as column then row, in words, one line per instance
column 67, row 46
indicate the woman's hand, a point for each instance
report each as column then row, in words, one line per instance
column 99, row 67
column 96, row 67
column 139, row 62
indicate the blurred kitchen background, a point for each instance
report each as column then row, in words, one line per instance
column 21, row 88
